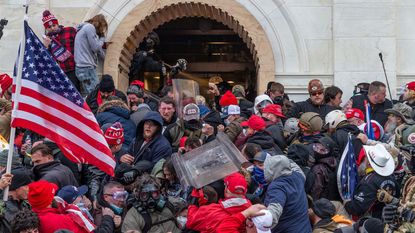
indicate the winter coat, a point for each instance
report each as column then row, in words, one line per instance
column 285, row 196
column 307, row 106
column 364, row 200
column 117, row 111
column 323, row 180
column 330, row 225
column 247, row 107
column 11, row 208
column 176, row 131
column 234, row 128
column 232, row 224
column 56, row 173
column 91, row 99
column 5, row 119
column 88, row 46
column 149, row 151
column 138, row 115
column 377, row 111
column 135, row 221
column 207, row 218
column 52, row 220
column 276, row 133
column 341, row 137
column 102, row 220
column 265, row 140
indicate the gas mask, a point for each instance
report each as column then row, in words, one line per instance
column 149, row 198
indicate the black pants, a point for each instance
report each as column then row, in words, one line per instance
column 72, row 76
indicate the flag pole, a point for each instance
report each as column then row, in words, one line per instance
column 16, row 93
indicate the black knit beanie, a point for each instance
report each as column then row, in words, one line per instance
column 106, row 84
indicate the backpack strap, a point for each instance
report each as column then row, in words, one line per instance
column 147, row 222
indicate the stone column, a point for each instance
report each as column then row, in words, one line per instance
column 361, row 30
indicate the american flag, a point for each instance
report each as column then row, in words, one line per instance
column 51, row 106
column 369, row 132
column 347, row 172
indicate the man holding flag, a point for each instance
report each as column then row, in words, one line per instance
column 46, row 102
column 378, row 166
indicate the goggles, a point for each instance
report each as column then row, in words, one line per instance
column 316, row 93
column 118, row 195
column 149, row 190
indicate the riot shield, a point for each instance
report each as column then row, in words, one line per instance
column 185, row 92
column 208, row 163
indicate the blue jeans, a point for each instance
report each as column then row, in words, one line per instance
column 88, row 79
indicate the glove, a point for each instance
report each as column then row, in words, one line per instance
column 384, row 196
column 197, row 197
column 407, row 215
column 389, row 213
column 129, row 177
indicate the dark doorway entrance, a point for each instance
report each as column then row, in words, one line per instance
column 211, row 50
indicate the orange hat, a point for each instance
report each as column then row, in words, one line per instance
column 236, row 183
column 254, row 122
column 274, row 109
column 5, row 83
column 228, row 99
column 41, row 194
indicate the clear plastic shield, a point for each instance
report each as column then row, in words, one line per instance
column 208, row 163
column 185, row 92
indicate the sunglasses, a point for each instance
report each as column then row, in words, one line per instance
column 119, row 195
column 316, row 93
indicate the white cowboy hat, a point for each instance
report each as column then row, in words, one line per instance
column 380, row 159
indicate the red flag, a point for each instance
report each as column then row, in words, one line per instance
column 51, row 106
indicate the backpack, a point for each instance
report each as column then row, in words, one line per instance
column 148, row 223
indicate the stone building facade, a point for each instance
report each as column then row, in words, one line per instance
column 291, row 41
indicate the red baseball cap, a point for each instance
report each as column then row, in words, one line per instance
column 254, row 122
column 236, row 183
column 411, row 86
column 274, row 109
column 355, row 112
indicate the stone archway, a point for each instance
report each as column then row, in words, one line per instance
column 150, row 14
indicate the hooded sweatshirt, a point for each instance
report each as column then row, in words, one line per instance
column 285, row 196
column 88, row 46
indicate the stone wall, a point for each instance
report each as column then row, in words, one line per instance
column 337, row 40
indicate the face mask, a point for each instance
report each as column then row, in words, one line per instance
column 181, row 221
column 278, row 100
column 117, row 210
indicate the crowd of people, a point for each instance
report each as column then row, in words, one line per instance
column 290, row 182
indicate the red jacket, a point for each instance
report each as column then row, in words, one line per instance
column 51, row 220
column 206, row 219
column 231, row 224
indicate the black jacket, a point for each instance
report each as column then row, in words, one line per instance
column 11, row 208
column 91, row 99
column 377, row 110
column 276, row 133
column 247, row 107
column 322, row 180
column 265, row 140
column 340, row 136
column 307, row 106
column 56, row 173
column 364, row 199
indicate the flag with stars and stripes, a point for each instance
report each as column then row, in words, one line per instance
column 50, row 105
column 347, row 172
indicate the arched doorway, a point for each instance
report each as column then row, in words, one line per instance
column 211, row 49
column 148, row 15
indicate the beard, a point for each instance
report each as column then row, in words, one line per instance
column 390, row 127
